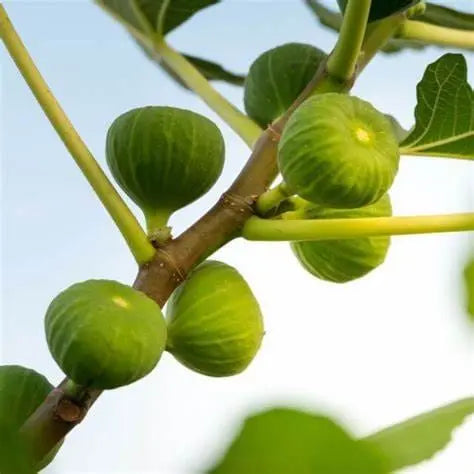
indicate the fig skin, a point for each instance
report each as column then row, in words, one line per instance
column 104, row 334
column 341, row 261
column 22, row 391
column 276, row 79
column 164, row 158
column 339, row 152
column 215, row 326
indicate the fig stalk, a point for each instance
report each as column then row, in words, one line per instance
column 315, row 229
column 271, row 198
column 128, row 225
column 343, row 60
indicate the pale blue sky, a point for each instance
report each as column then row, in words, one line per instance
column 371, row 352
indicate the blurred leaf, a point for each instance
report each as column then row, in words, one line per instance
column 444, row 112
column 421, row 437
column 469, row 287
column 283, row 441
column 145, row 14
column 399, row 131
column 383, row 8
column 443, row 16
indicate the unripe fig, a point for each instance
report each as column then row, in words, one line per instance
column 383, row 8
column 344, row 260
column 215, row 326
column 22, row 391
column 104, row 334
column 338, row 151
column 276, row 79
column 164, row 158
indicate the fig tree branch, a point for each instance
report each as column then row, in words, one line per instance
column 171, row 263
column 330, row 229
column 436, row 35
column 128, row 225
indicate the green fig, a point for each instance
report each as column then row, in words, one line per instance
column 276, row 79
column 344, row 260
column 104, row 334
column 383, row 8
column 215, row 326
column 164, row 158
column 338, row 151
column 22, row 391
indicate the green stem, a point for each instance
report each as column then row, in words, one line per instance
column 343, row 60
column 437, row 35
column 246, row 128
column 330, row 229
column 131, row 230
column 271, row 198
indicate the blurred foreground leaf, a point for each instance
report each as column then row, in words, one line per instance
column 420, row 438
column 283, row 441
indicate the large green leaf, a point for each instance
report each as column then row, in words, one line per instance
column 444, row 112
column 383, row 8
column 421, row 437
column 469, row 286
column 149, row 14
column 283, row 441
column 443, row 16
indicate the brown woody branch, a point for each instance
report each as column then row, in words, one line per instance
column 60, row 413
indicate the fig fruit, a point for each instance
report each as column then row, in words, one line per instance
column 338, row 151
column 276, row 79
column 383, row 8
column 215, row 326
column 341, row 261
column 22, row 391
column 104, row 334
column 164, row 158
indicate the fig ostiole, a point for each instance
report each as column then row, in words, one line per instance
column 340, row 261
column 338, row 151
column 215, row 326
column 164, row 158
column 276, row 79
column 22, row 391
column 104, row 334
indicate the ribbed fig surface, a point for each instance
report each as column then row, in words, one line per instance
column 104, row 334
column 338, row 151
column 215, row 326
column 22, row 391
column 276, row 79
column 341, row 261
column 164, row 158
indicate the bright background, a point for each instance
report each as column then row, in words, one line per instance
column 370, row 353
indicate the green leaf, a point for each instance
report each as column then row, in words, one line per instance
column 383, row 8
column 156, row 15
column 421, row 437
column 444, row 112
column 209, row 69
column 399, row 131
column 282, row 440
column 469, row 287
column 443, row 16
